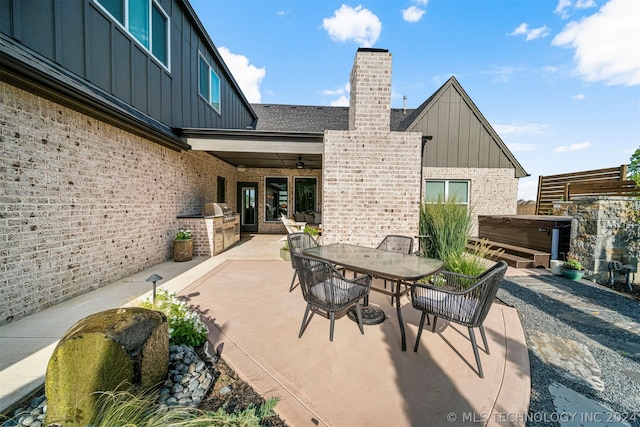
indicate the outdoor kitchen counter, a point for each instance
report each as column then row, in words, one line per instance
column 212, row 234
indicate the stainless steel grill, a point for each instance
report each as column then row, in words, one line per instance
column 219, row 209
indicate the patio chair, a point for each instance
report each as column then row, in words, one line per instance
column 291, row 225
column 297, row 243
column 461, row 299
column 327, row 291
column 396, row 243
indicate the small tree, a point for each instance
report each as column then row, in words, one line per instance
column 633, row 170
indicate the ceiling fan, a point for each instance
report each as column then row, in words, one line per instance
column 300, row 163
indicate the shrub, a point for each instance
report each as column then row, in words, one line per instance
column 448, row 225
column 183, row 235
column 572, row 264
column 127, row 409
column 185, row 326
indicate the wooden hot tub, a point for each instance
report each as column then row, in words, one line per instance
column 540, row 232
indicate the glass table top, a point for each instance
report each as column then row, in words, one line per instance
column 376, row 261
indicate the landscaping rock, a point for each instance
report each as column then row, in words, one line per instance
column 107, row 351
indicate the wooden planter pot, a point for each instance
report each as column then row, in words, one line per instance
column 182, row 250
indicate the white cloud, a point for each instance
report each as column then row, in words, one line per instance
column 422, row 2
column 520, row 129
column 412, row 14
column 520, row 29
column 517, row 147
column 353, row 24
column 343, row 101
column 579, row 96
column 563, row 6
column 572, row 147
column 530, row 33
column 502, row 74
column 249, row 77
column 338, row 91
column 585, row 4
column 605, row 43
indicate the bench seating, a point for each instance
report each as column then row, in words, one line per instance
column 515, row 256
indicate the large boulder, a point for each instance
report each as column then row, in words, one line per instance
column 107, row 351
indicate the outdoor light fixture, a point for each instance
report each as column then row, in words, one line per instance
column 154, row 278
column 299, row 163
column 241, row 168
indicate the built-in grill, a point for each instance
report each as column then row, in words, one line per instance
column 219, row 210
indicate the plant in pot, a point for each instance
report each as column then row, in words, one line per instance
column 572, row 269
column 183, row 246
column 284, row 252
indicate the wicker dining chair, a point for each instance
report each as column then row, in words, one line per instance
column 297, row 243
column 461, row 299
column 327, row 291
column 396, row 243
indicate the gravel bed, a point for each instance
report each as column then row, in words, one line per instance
column 604, row 320
column 188, row 382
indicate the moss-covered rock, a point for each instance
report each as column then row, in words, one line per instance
column 107, row 351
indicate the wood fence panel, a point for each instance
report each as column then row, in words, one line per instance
column 605, row 182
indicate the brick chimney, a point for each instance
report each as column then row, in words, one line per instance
column 370, row 102
column 370, row 175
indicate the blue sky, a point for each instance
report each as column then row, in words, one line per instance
column 559, row 80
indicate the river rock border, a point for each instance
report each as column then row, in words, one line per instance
column 188, row 382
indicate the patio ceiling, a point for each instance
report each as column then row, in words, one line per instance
column 258, row 149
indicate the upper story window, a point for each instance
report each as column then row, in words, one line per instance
column 441, row 190
column 209, row 86
column 146, row 21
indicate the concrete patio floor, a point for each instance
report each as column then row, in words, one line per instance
column 354, row 380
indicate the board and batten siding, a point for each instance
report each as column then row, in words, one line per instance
column 82, row 38
column 459, row 136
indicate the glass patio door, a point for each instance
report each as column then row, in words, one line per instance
column 248, row 206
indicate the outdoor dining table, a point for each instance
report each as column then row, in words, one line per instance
column 401, row 268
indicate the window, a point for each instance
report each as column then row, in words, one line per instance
column 209, row 84
column 305, row 191
column 276, row 198
column 222, row 190
column 457, row 191
column 145, row 21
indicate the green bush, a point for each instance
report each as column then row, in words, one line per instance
column 185, row 326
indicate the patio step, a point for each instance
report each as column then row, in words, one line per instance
column 515, row 256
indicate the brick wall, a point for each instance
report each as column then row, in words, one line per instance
column 492, row 191
column 83, row 204
column 371, row 176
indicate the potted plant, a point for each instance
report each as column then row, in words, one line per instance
column 284, row 252
column 572, row 269
column 183, row 246
column 314, row 232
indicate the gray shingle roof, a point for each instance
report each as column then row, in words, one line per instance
column 310, row 118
